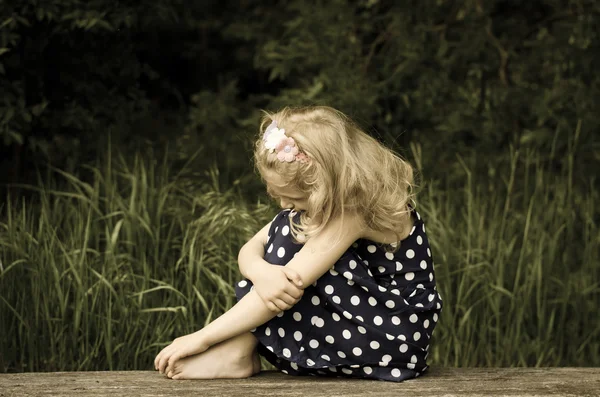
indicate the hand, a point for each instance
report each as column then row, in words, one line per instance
column 181, row 347
column 278, row 286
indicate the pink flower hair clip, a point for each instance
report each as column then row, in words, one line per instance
column 275, row 139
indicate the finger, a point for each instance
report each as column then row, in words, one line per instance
column 288, row 299
column 281, row 304
column 162, row 365
column 271, row 306
column 291, row 290
column 171, row 363
column 293, row 276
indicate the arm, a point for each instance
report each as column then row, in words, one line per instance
column 278, row 286
column 316, row 257
column 251, row 254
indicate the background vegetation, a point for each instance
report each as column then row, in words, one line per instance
column 127, row 184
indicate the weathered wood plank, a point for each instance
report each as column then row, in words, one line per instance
column 438, row 382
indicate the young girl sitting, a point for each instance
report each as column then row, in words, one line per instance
column 341, row 282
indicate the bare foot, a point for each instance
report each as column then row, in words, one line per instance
column 234, row 358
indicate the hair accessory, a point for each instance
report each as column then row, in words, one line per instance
column 275, row 139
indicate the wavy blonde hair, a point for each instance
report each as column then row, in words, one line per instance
column 348, row 171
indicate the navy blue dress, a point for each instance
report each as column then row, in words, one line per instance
column 370, row 316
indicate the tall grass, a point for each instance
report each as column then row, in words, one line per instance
column 100, row 272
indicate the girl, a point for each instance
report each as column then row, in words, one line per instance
column 341, row 282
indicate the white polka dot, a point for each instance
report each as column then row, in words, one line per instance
column 287, row 353
column 423, row 265
column 329, row 289
column 332, row 369
column 346, row 334
column 426, row 324
column 361, row 329
column 329, row 339
column 268, row 331
column 341, row 354
column 294, row 365
column 419, row 240
column 402, row 337
column 310, row 362
column 403, row 348
column 417, row 335
column 430, row 276
column 395, row 291
column 419, row 304
column 348, row 275
column 285, row 371
column 372, row 301
column 297, row 316
column 318, row 321
column 381, row 288
column 389, row 255
column 412, row 230
column 396, row 373
column 435, row 317
column 281, row 332
column 347, row 371
column 335, row 316
column 298, row 336
column 270, row 348
column 270, row 248
column 410, row 254
column 377, row 320
column 276, row 228
column 333, row 272
column 368, row 370
column 431, row 297
column 390, row 337
column 381, row 269
column 398, row 266
column 371, row 248
column 413, row 359
column 386, row 359
column 281, row 252
column 242, row 283
column 390, row 304
column 413, row 318
column 396, row 320
column 285, row 230
column 438, row 306
column 374, row 345
column 355, row 300
column 352, row 264
column 423, row 227
column 336, row 299
column 313, row 343
column 429, row 252
column 360, row 318
column 315, row 300
column 325, row 357
column 347, row 315
column 357, row 351
column 409, row 276
column 410, row 366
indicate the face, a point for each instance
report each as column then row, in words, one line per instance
column 288, row 197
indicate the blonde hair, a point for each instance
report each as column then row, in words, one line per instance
column 348, row 171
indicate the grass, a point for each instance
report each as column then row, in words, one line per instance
column 98, row 273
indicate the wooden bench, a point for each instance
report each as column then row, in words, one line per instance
column 437, row 382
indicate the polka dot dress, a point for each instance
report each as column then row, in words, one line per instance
column 370, row 316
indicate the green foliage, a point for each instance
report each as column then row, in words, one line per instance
column 99, row 274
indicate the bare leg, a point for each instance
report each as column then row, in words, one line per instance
column 232, row 358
